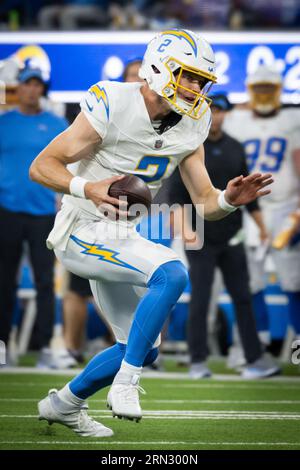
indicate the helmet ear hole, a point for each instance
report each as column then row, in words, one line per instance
column 155, row 69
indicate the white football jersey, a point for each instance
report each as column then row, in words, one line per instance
column 130, row 145
column 269, row 143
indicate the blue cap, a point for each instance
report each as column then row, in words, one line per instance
column 28, row 73
column 221, row 101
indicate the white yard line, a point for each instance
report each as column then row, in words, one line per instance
column 180, row 402
column 141, row 443
column 146, row 375
column 32, row 384
column 188, row 414
column 248, row 385
column 186, row 418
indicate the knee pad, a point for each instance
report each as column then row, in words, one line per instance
column 151, row 356
column 172, row 275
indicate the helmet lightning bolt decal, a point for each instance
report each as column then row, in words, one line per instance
column 182, row 34
column 103, row 254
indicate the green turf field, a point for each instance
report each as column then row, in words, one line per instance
column 178, row 414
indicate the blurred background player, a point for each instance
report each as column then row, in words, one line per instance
column 27, row 210
column 75, row 303
column 223, row 247
column 131, row 70
column 271, row 138
column 9, row 71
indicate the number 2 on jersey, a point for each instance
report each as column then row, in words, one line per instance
column 272, row 152
column 148, row 162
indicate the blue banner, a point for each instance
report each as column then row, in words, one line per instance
column 78, row 62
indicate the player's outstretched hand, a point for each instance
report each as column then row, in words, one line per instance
column 244, row 189
column 98, row 193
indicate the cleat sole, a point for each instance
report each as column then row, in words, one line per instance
column 41, row 418
column 127, row 418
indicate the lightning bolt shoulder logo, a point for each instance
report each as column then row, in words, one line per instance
column 103, row 254
column 100, row 95
column 182, row 34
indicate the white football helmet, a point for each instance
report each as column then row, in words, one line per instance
column 264, row 88
column 167, row 56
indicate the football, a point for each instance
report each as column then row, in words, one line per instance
column 135, row 190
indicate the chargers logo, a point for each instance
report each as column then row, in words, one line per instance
column 182, row 34
column 34, row 57
column 103, row 254
column 100, row 95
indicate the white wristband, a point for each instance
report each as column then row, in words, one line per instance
column 77, row 185
column 225, row 206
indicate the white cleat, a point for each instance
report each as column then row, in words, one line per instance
column 236, row 358
column 78, row 420
column 262, row 368
column 123, row 399
column 62, row 359
column 199, row 370
column 58, row 358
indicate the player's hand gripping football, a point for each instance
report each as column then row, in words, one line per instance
column 244, row 189
column 98, row 193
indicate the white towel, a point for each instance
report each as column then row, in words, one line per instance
column 64, row 223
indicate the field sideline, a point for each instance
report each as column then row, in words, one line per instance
column 179, row 414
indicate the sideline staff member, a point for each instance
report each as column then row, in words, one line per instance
column 27, row 210
column 224, row 160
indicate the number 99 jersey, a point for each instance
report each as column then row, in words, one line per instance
column 269, row 143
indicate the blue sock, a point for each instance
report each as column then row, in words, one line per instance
column 151, row 356
column 260, row 311
column 164, row 289
column 101, row 370
column 294, row 310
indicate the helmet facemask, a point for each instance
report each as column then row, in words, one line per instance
column 194, row 108
column 264, row 87
column 264, row 97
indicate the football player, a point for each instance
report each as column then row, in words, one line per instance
column 146, row 129
column 270, row 135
